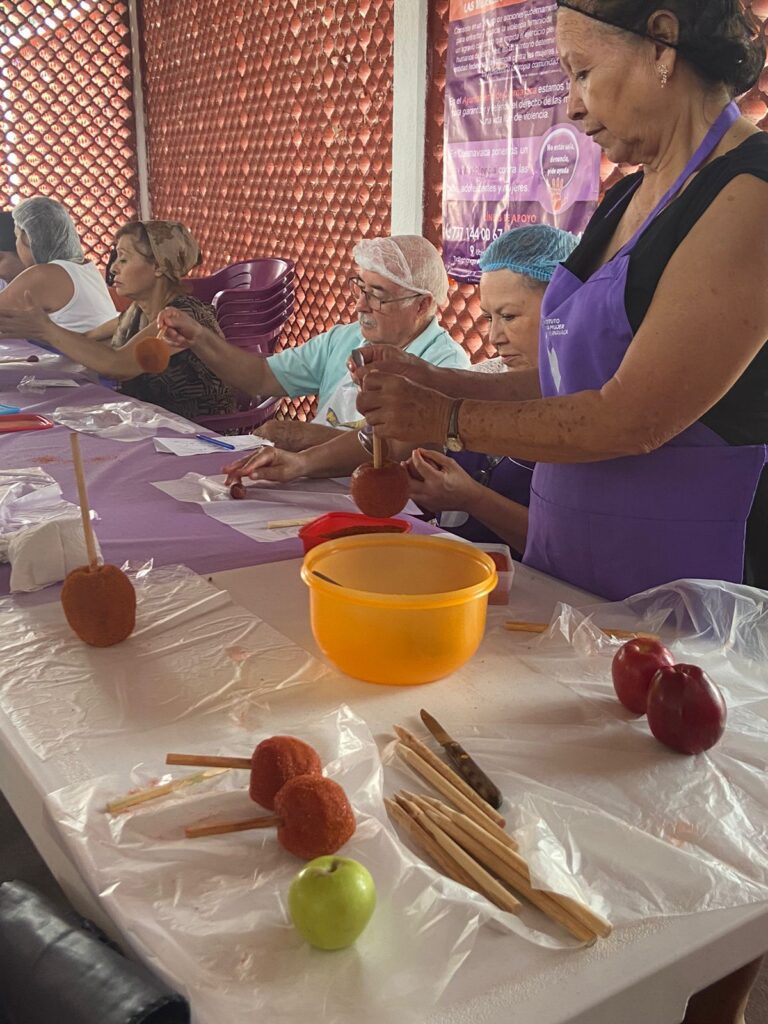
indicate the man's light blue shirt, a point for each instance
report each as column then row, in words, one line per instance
column 319, row 365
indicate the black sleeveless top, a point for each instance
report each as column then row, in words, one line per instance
column 741, row 415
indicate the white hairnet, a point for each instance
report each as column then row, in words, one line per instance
column 49, row 229
column 408, row 260
column 534, row 251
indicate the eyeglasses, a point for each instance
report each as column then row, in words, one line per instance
column 358, row 290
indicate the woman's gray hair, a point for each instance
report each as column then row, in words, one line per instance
column 49, row 230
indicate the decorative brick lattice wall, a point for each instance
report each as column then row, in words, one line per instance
column 67, row 112
column 270, row 133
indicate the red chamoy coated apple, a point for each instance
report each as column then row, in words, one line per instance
column 316, row 817
column 686, row 710
column 99, row 604
column 152, row 355
column 380, row 493
column 275, row 761
column 633, row 668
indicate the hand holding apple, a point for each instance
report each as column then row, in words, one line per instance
column 633, row 668
column 331, row 900
column 686, row 710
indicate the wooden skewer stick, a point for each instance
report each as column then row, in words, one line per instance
column 452, row 794
column 425, row 841
column 154, row 792
column 82, row 493
column 448, row 773
column 484, row 882
column 280, row 524
column 225, row 827
column 378, row 460
column 204, row 761
column 578, row 911
column 485, row 856
column 542, row 627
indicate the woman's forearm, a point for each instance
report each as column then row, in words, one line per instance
column 117, row 363
column 507, row 519
column 337, row 457
column 513, row 386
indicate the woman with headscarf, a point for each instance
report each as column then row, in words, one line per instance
column 148, row 263
column 54, row 273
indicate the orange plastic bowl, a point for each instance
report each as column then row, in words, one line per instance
column 408, row 610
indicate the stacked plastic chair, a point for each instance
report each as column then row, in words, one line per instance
column 253, row 300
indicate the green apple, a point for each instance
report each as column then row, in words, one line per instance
column 331, row 900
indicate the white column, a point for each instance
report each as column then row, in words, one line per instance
column 145, row 206
column 409, row 116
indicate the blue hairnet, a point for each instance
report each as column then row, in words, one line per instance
column 534, row 251
column 49, row 230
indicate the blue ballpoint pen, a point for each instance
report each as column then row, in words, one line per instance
column 215, row 441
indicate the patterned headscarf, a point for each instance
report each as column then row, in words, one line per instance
column 174, row 249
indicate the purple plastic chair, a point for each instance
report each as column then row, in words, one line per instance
column 244, row 419
column 264, row 277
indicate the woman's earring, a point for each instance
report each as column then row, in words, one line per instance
column 663, row 72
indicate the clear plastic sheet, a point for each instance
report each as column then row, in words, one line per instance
column 212, row 914
column 28, row 496
column 36, row 385
column 193, row 653
column 121, row 421
column 264, row 503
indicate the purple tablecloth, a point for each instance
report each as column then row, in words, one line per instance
column 136, row 520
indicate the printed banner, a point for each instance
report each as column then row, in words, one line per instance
column 511, row 155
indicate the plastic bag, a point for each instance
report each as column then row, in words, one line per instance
column 28, row 496
column 121, row 421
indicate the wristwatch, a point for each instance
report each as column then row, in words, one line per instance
column 453, row 442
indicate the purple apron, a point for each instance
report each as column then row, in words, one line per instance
column 621, row 526
column 508, row 477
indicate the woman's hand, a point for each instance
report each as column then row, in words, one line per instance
column 397, row 408
column 27, row 321
column 272, row 464
column 391, row 360
column 438, row 483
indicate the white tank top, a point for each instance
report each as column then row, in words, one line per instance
column 91, row 305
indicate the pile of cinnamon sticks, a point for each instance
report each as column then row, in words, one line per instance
column 465, row 838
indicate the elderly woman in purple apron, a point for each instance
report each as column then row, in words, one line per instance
column 484, row 498
column 648, row 418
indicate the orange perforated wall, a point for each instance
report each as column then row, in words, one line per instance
column 67, row 111
column 463, row 312
column 270, row 133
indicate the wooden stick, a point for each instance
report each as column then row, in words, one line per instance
column 452, row 794
column 279, row 524
column 542, row 627
column 486, row 883
column 448, row 773
column 222, row 829
column 85, row 512
column 153, row 792
column 576, row 910
column 485, row 856
column 426, row 843
column 203, row 761
column 378, row 460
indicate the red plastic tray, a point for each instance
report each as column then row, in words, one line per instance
column 335, row 524
column 15, row 422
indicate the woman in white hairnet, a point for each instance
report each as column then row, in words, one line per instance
column 398, row 284
column 57, row 277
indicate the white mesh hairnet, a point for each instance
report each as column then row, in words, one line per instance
column 534, row 251
column 408, row 260
column 49, row 229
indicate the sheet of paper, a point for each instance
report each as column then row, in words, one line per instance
column 191, row 446
column 265, row 503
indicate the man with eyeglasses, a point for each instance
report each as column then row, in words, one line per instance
column 398, row 285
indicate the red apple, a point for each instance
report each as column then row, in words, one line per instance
column 686, row 710
column 633, row 668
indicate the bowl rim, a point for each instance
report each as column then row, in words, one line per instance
column 436, row 599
